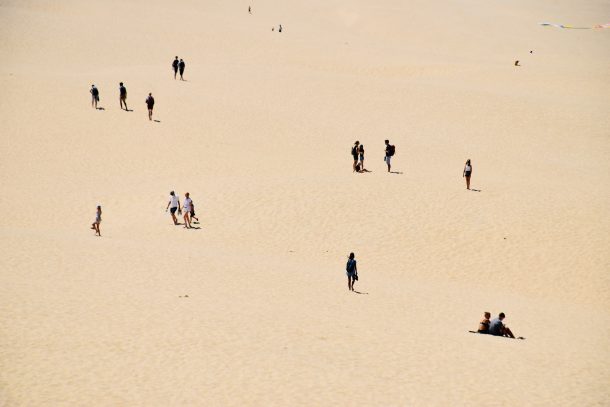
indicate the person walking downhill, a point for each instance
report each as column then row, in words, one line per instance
column 467, row 173
column 389, row 153
column 361, row 153
column 355, row 149
column 122, row 95
column 193, row 212
column 174, row 206
column 95, row 96
column 351, row 271
column 150, row 103
column 181, row 66
column 186, row 208
column 98, row 219
column 175, row 66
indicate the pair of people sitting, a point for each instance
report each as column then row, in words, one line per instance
column 494, row 327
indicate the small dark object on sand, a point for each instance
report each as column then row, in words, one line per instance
column 531, row 52
column 517, row 63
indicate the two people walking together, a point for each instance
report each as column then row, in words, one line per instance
column 188, row 207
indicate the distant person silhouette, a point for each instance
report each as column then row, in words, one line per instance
column 174, row 206
column 355, row 150
column 181, row 66
column 175, row 66
column 122, row 95
column 389, row 153
column 351, row 271
column 98, row 219
column 280, row 29
column 95, row 96
column 467, row 173
column 150, row 103
column 250, row 9
column 361, row 153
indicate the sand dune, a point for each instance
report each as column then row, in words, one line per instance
column 259, row 134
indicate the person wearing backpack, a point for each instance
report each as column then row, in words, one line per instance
column 351, row 271
column 389, row 153
column 95, row 96
column 175, row 66
column 355, row 151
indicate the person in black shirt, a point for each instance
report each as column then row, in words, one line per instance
column 95, row 96
column 175, row 66
column 181, row 65
column 150, row 102
column 122, row 95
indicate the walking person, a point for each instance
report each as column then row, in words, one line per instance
column 150, row 103
column 122, row 95
column 175, row 66
column 389, row 153
column 250, row 9
column 98, row 219
column 193, row 212
column 361, row 153
column 351, row 271
column 355, row 149
column 186, row 208
column 280, row 29
column 467, row 173
column 181, row 65
column 95, row 96
column 174, row 206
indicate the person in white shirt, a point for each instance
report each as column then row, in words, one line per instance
column 173, row 205
column 467, row 173
column 186, row 208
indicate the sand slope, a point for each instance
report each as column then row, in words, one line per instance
column 260, row 135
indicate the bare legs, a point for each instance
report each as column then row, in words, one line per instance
column 350, row 283
column 175, row 73
column 174, row 218
column 96, row 226
column 123, row 101
column 149, row 114
column 468, row 182
column 187, row 220
column 94, row 102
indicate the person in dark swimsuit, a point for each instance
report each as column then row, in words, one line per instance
column 175, row 66
column 351, row 271
column 484, row 324
column 361, row 153
column 122, row 95
column 181, row 65
column 467, row 173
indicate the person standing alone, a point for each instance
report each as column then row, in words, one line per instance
column 467, row 173
column 175, row 66
column 351, row 271
column 95, row 96
column 122, row 95
column 389, row 153
column 181, row 65
column 150, row 103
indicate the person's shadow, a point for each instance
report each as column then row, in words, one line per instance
column 395, row 172
column 476, row 190
column 157, row 121
column 358, row 292
column 100, row 108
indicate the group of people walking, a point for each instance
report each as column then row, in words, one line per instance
column 177, row 66
column 187, row 207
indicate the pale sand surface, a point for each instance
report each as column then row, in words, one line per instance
column 260, row 135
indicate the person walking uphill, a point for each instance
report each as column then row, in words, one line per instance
column 150, row 103
column 389, row 153
column 186, row 208
column 175, row 66
column 98, row 219
column 351, row 272
column 173, row 205
column 355, row 151
column 122, row 95
column 181, row 65
column 95, row 96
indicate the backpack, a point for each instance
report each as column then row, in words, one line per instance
column 94, row 92
column 354, row 150
column 391, row 150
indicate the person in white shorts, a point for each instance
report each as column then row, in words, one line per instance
column 186, row 208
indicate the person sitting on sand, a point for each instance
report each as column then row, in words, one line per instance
column 484, row 324
column 497, row 327
column 175, row 66
column 122, row 95
column 355, row 155
column 150, row 103
column 186, row 208
column 467, row 173
column 351, row 271
column 95, row 96
column 173, row 205
column 98, row 219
